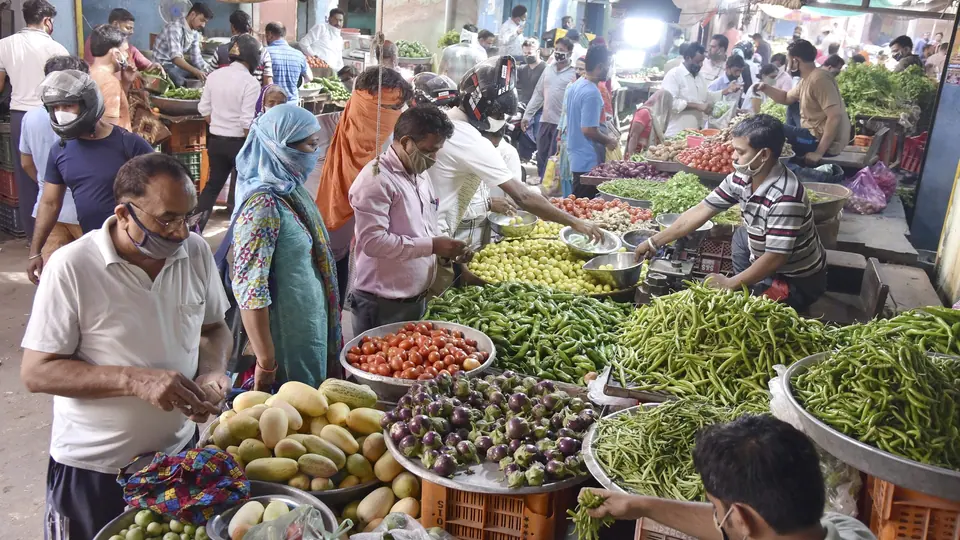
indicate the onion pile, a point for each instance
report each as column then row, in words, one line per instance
column 529, row 428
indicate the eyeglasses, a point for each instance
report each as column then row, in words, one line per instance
column 191, row 220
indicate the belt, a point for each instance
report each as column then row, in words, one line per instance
column 227, row 138
column 410, row 300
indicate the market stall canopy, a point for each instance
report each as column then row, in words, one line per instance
column 783, row 9
column 693, row 11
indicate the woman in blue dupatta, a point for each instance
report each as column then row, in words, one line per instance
column 284, row 276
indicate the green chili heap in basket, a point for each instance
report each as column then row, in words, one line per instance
column 896, row 399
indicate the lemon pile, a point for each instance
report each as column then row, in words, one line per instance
column 546, row 229
column 539, row 261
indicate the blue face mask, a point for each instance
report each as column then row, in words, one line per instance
column 305, row 162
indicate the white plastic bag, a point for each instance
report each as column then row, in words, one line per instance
column 596, row 395
column 400, row 526
column 842, row 481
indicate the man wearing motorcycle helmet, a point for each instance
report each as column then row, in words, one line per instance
column 87, row 159
column 487, row 97
column 438, row 90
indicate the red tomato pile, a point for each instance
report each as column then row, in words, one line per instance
column 584, row 208
column 711, row 157
column 419, row 351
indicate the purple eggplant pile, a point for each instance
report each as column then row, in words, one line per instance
column 529, row 428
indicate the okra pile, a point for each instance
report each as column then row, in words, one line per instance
column 718, row 344
column 897, row 399
column 538, row 331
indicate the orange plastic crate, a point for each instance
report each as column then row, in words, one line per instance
column 903, row 514
column 479, row 516
column 648, row 529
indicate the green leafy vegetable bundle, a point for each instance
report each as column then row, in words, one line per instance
column 412, row 49
column 183, row 93
column 875, row 91
column 774, row 109
column 450, row 38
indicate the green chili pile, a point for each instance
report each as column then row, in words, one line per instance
column 588, row 528
column 538, row 331
column 721, row 345
column 934, row 329
column 649, row 451
column 897, row 399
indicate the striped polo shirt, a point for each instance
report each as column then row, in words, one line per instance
column 778, row 219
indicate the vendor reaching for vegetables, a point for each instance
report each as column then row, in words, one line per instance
column 824, row 128
column 763, row 481
column 776, row 251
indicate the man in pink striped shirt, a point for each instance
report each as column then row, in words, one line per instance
column 397, row 233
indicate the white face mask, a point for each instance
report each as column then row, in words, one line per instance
column 495, row 124
column 746, row 169
column 64, row 117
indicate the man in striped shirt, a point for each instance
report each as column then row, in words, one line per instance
column 776, row 249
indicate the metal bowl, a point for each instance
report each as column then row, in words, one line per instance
column 309, row 92
column 338, row 497
column 828, row 209
column 625, row 273
column 632, row 239
column 929, row 479
column 217, row 527
column 392, row 388
column 609, row 244
column 502, row 224
column 258, row 490
column 176, row 107
column 192, row 83
column 695, row 238
column 664, row 166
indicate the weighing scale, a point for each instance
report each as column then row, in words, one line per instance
column 673, row 263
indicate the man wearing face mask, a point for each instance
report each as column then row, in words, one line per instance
column 510, row 38
column 398, row 237
column 901, row 48
column 692, row 101
column 763, row 482
column 548, row 97
column 22, row 57
column 124, row 21
column 585, row 116
column 716, row 58
column 110, row 53
column 529, row 73
column 776, row 251
column 824, row 128
column 324, row 40
column 127, row 333
column 87, row 159
column 177, row 48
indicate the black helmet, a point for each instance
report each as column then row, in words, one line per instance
column 68, row 87
column 489, row 89
column 439, row 90
column 246, row 48
column 746, row 49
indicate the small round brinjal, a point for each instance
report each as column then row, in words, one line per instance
column 405, row 402
column 496, row 398
column 568, row 446
column 416, row 388
column 509, row 374
column 421, row 398
column 443, row 380
column 539, row 411
column 388, row 419
column 419, row 425
column 574, row 464
column 556, row 469
column 483, row 443
column 556, row 421
column 432, row 440
column 468, row 451
column 497, row 452
column 441, row 425
column 565, row 432
column 435, row 408
column 576, row 405
column 428, row 458
column 460, row 417
column 410, row 445
column 405, row 414
column 463, row 433
column 518, row 402
column 452, row 439
column 517, row 428
column 450, row 451
column 588, row 415
column 514, row 445
column 398, row 431
column 576, row 423
column 511, row 468
column 551, row 401
column 445, row 465
column 554, row 454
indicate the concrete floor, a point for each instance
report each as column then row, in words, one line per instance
column 24, row 417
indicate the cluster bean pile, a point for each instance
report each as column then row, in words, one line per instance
column 718, row 344
column 537, row 331
column 649, row 451
column 900, row 401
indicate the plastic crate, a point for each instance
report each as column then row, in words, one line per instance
column 187, row 136
column 479, row 516
column 193, row 162
column 8, row 186
column 903, row 514
column 648, row 529
column 10, row 220
column 912, row 156
column 7, row 151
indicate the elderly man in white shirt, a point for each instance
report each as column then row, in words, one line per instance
column 692, row 102
column 127, row 332
column 324, row 40
column 228, row 103
column 510, row 38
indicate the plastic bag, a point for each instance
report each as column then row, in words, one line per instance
column 841, row 480
column 550, row 184
column 403, row 527
column 867, row 198
column 827, row 174
column 303, row 523
column 886, row 179
column 596, row 394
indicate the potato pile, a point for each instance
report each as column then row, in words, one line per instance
column 308, row 438
column 668, row 150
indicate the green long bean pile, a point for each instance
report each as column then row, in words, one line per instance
column 538, row 331
column 899, row 401
column 721, row 345
column 649, row 451
column 933, row 329
column 587, row 527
